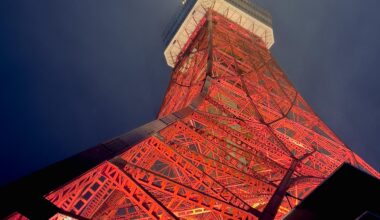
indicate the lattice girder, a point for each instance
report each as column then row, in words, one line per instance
column 247, row 136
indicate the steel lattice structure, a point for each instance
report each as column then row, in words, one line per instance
column 234, row 140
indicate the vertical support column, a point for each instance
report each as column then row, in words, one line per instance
column 210, row 46
column 274, row 203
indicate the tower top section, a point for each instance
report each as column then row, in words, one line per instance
column 192, row 14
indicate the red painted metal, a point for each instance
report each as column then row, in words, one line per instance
column 16, row 216
column 250, row 148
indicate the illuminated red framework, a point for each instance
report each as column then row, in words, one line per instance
column 234, row 140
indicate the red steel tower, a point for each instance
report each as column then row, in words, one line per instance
column 233, row 139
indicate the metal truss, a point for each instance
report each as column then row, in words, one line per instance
column 248, row 147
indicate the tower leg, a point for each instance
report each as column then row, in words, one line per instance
column 274, row 203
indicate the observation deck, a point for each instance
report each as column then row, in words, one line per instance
column 241, row 12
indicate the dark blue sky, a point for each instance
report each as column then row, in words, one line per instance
column 76, row 73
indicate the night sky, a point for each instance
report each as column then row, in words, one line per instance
column 76, row 73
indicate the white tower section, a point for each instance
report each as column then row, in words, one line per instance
column 242, row 12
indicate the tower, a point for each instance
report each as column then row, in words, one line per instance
column 233, row 139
